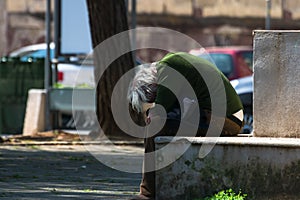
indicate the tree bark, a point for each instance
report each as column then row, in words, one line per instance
column 108, row 18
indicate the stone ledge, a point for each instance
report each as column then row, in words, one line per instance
column 241, row 141
column 263, row 168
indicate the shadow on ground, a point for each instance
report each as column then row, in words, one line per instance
column 60, row 172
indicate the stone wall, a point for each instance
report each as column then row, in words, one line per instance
column 232, row 8
column 29, row 6
column 24, row 29
column 210, row 35
column 21, row 23
column 25, row 23
column 262, row 168
column 221, row 22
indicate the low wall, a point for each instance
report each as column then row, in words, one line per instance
column 263, row 168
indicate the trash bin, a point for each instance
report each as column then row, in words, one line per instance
column 16, row 78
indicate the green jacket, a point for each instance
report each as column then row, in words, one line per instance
column 189, row 66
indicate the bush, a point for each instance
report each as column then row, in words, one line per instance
column 227, row 195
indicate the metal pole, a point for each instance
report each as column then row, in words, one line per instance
column 268, row 15
column 56, row 39
column 48, row 38
column 57, row 11
column 133, row 26
column 54, row 62
column 47, row 63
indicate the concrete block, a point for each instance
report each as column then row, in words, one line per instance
column 263, row 168
column 35, row 112
column 276, row 106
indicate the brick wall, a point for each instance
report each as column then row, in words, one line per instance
column 24, row 23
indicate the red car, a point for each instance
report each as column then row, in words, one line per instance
column 234, row 61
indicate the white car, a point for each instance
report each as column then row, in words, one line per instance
column 70, row 74
column 244, row 88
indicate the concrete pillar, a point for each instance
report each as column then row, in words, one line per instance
column 276, row 84
column 35, row 112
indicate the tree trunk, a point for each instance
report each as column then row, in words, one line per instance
column 108, row 18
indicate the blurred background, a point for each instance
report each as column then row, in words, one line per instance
column 219, row 23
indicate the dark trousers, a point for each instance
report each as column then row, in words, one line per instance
column 147, row 186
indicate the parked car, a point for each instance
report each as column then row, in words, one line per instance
column 67, row 70
column 234, row 61
column 244, row 88
column 68, row 76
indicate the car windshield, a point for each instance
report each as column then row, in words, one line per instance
column 248, row 58
column 223, row 61
column 35, row 54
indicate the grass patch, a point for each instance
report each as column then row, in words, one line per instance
column 226, row 195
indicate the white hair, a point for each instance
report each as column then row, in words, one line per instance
column 146, row 74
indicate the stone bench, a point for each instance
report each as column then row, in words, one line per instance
column 263, row 168
column 266, row 166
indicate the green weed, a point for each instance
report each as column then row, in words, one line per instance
column 227, row 195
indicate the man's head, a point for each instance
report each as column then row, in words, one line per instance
column 142, row 90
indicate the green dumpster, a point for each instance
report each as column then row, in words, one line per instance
column 16, row 78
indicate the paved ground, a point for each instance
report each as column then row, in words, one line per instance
column 69, row 172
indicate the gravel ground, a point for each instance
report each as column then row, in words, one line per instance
column 68, row 172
